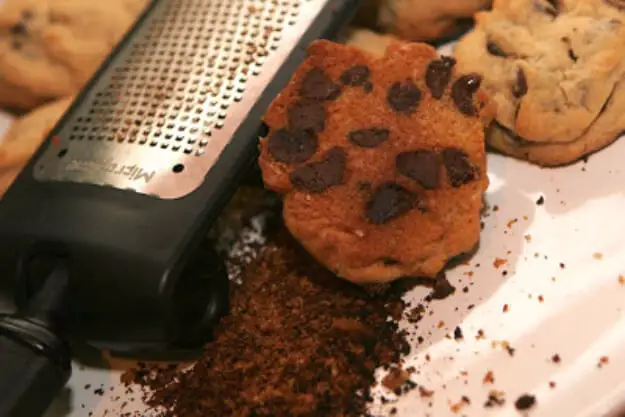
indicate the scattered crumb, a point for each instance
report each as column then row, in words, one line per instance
column 489, row 378
column 441, row 324
column 541, row 299
column 621, row 279
column 506, row 308
column 495, row 399
column 540, row 201
column 528, row 238
column 555, row 358
column 458, row 334
column 525, row 402
column 495, row 207
column 499, row 262
column 464, row 401
column 395, row 378
column 604, row 360
column 552, row 384
column 598, row 256
column 553, row 279
column 468, row 273
column 511, row 223
column 480, row 334
column 424, row 392
column 504, row 344
column 562, row 265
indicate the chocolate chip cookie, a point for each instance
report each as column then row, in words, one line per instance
column 25, row 136
column 420, row 20
column 556, row 71
column 380, row 161
column 50, row 48
column 370, row 41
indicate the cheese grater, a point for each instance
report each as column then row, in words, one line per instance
column 128, row 182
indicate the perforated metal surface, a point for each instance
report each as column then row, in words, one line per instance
column 158, row 118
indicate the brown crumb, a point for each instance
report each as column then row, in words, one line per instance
column 458, row 334
column 395, row 378
column 489, row 378
column 511, row 223
column 440, row 324
column 495, row 208
column 495, row 399
column 506, row 308
column 604, row 360
column 464, row 401
column 621, row 279
column 541, row 299
column 499, row 262
column 562, row 265
column 424, row 392
column 480, row 334
column 540, row 201
column 552, row 384
column 598, row 256
column 528, row 238
column 556, row 358
column 525, row 402
column 504, row 344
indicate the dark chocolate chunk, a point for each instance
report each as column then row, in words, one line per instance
column 390, row 201
column 540, row 201
column 19, row 29
column 459, row 168
column 442, row 288
column 438, row 75
column 404, row 97
column 421, row 166
column 307, row 115
column 356, row 76
column 520, row 86
column 495, row 50
column 369, row 138
column 525, row 402
column 317, row 177
column 292, row 147
column 462, row 92
column 316, row 85
column 572, row 55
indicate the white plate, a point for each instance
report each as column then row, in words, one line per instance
column 581, row 225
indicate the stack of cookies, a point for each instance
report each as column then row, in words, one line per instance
column 48, row 51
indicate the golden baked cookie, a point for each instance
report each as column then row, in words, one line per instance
column 50, row 48
column 370, row 41
column 419, row 20
column 25, row 136
column 556, row 70
column 380, row 161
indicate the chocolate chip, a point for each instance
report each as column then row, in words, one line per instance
column 356, row 76
column 389, row 202
column 458, row 333
column 572, row 55
column 525, row 402
column 421, row 166
column 438, row 75
column 19, row 29
column 292, row 147
column 390, row 261
column 495, row 50
column 369, row 138
column 368, row 87
column 316, row 85
column 520, row 86
column 462, row 92
column 404, row 97
column 459, row 169
column 307, row 115
column 317, row 177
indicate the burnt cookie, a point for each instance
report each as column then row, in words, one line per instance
column 552, row 110
column 383, row 177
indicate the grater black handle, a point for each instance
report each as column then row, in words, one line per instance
column 35, row 360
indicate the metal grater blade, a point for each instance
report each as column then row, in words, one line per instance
column 156, row 120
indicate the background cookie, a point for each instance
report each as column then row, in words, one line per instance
column 370, row 41
column 419, row 19
column 381, row 162
column 25, row 136
column 554, row 69
column 50, row 48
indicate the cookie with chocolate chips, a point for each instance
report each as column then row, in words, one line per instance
column 556, row 70
column 385, row 162
column 50, row 48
